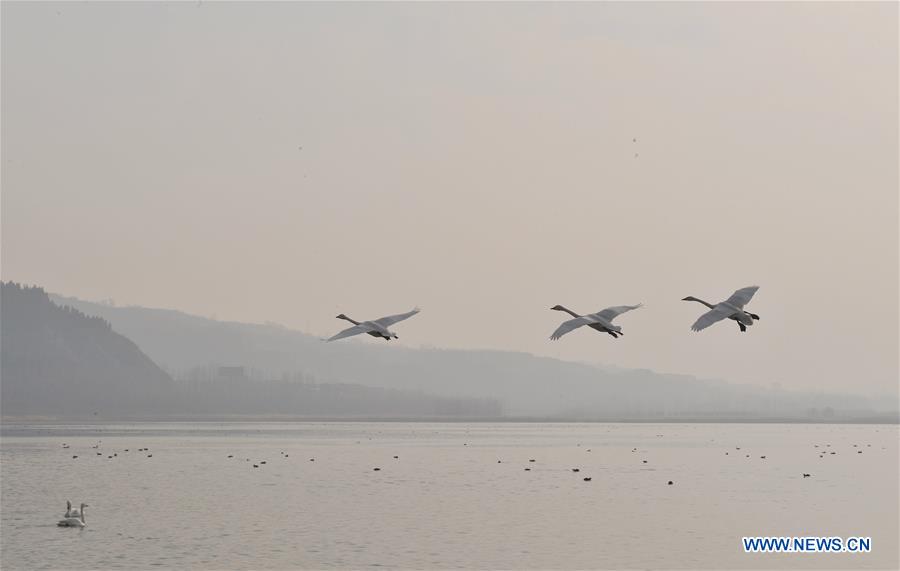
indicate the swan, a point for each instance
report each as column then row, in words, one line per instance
column 731, row 308
column 601, row 321
column 73, row 521
column 69, row 510
column 376, row 328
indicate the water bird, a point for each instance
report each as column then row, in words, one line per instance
column 375, row 328
column 528, row 469
column 763, row 457
column 644, row 461
column 531, row 459
column 263, row 462
column 256, row 465
column 231, row 455
column 806, row 475
column 73, row 512
column 75, row 456
column 671, row 482
column 600, row 321
column 731, row 308
column 74, row 521
column 396, row 457
column 376, row 469
column 312, row 459
column 576, row 469
column 588, row 479
column 149, row 455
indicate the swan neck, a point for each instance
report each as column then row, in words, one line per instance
column 569, row 311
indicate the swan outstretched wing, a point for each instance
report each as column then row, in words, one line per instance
column 392, row 319
column 611, row 313
column 718, row 313
column 570, row 325
column 742, row 297
column 350, row 332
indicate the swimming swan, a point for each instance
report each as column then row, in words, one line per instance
column 731, row 308
column 376, row 328
column 71, row 512
column 74, row 521
column 601, row 321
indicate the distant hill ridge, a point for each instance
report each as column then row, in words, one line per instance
column 59, row 360
column 524, row 384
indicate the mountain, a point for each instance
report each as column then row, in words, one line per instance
column 524, row 385
column 57, row 360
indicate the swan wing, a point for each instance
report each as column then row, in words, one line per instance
column 350, row 332
column 611, row 313
column 570, row 325
column 717, row 313
column 742, row 297
column 392, row 319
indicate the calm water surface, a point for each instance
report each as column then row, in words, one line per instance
column 458, row 495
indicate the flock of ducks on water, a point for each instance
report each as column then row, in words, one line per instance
column 602, row 321
column 74, row 517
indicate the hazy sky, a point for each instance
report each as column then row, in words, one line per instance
column 477, row 160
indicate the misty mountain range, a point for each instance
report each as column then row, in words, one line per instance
column 57, row 361
column 210, row 354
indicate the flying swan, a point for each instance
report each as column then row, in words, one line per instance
column 73, row 521
column 376, row 328
column 731, row 308
column 601, row 321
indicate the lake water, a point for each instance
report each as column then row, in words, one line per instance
column 446, row 501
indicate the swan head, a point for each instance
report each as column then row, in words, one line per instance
column 558, row 308
column 341, row 316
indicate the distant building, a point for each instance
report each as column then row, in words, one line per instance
column 232, row 373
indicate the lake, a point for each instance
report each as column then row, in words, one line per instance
column 457, row 495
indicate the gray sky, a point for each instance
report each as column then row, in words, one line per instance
column 477, row 160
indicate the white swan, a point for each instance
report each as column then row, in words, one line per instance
column 70, row 512
column 375, row 328
column 73, row 521
column 731, row 308
column 601, row 321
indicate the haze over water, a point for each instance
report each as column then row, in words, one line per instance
column 445, row 501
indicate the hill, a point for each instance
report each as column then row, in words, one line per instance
column 57, row 360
